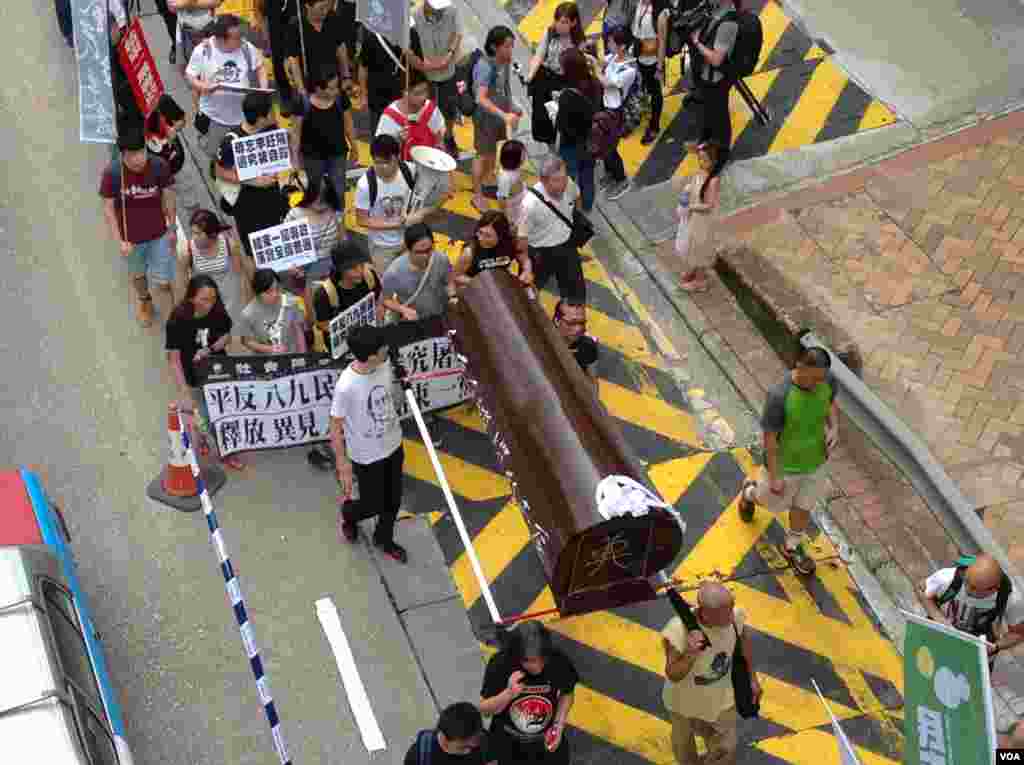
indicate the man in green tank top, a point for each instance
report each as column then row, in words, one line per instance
column 800, row 424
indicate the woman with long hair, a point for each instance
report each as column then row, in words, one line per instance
column 528, row 690
column 617, row 76
column 321, row 209
column 494, row 245
column 698, row 202
column 199, row 327
column 649, row 30
column 545, row 73
column 577, row 104
column 212, row 249
column 162, row 133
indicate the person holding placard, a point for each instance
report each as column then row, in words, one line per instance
column 211, row 249
column 272, row 322
column 259, row 203
column 319, row 210
column 418, row 283
column 219, row 68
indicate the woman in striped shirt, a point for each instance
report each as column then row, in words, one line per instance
column 211, row 249
column 321, row 209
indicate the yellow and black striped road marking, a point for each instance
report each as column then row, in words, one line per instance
column 810, row 98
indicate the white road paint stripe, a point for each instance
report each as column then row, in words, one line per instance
column 358, row 701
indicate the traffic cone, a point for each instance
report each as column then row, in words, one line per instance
column 176, row 486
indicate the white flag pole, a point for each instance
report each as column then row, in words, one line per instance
column 485, row 589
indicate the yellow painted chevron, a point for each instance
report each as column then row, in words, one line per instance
column 496, row 545
column 774, row 23
column 815, row 52
column 808, row 117
column 536, row 22
column 650, row 413
column 617, row 335
column 674, row 477
column 633, row 151
column 815, row 747
column 467, row 480
column 876, row 115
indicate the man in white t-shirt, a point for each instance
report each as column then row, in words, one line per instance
column 382, row 198
column 698, row 691
column 367, row 440
column 218, row 67
column 978, row 599
column 414, row 119
column 547, row 233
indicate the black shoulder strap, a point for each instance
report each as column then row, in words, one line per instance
column 407, row 173
column 551, row 207
column 371, row 181
column 424, row 745
column 1005, row 588
column 954, row 586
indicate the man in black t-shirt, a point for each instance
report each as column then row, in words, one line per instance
column 381, row 80
column 456, row 740
column 324, row 39
column 571, row 320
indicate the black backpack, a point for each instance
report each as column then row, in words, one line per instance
column 987, row 621
column 677, row 28
column 424, row 746
column 742, row 60
column 464, row 83
column 371, row 180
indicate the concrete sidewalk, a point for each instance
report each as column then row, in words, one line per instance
column 918, row 262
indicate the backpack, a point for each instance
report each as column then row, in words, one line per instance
column 371, row 180
column 742, row 60
column 677, row 29
column 987, row 621
column 466, row 99
column 419, row 132
column 424, row 745
column 604, row 133
column 632, row 109
column 321, row 327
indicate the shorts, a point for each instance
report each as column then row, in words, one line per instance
column 801, row 490
column 446, row 95
column 152, row 259
column 488, row 131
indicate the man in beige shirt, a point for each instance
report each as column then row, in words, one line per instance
column 698, row 689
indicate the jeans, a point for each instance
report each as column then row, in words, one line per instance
column 649, row 79
column 332, row 167
column 614, row 165
column 152, row 259
column 580, row 167
column 563, row 262
column 711, row 121
column 380, row 494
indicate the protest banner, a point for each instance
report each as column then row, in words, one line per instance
column 139, row 67
column 947, row 702
column 388, row 18
column 272, row 402
column 363, row 312
column 282, row 246
column 91, row 20
column 265, row 153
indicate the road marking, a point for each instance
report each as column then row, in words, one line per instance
column 650, row 413
column 773, row 24
column 497, row 545
column 806, row 119
column 467, row 480
column 538, row 20
column 358, row 700
column 815, row 747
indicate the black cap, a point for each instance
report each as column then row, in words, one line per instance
column 348, row 254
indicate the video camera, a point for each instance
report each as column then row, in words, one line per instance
column 692, row 15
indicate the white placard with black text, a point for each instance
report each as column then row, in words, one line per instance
column 359, row 314
column 264, row 153
column 282, row 246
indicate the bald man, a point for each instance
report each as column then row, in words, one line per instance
column 698, row 689
column 977, row 599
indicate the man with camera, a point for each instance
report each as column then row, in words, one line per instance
column 710, row 47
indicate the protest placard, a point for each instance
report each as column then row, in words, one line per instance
column 264, row 153
column 96, row 123
column 272, row 402
column 363, row 312
column 388, row 18
column 139, row 67
column 282, row 246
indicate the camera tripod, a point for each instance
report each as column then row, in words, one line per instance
column 761, row 114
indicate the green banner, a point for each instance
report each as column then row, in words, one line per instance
column 947, row 699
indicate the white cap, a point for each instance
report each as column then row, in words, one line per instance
column 439, row 5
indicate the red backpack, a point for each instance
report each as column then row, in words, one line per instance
column 419, row 132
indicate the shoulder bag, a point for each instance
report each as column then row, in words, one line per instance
column 581, row 230
column 746, row 706
column 390, row 317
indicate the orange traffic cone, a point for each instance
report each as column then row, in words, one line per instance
column 178, row 480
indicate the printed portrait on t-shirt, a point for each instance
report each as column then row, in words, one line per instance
column 392, row 206
column 273, row 328
column 203, row 337
column 229, row 73
column 531, row 714
column 720, row 667
column 381, row 410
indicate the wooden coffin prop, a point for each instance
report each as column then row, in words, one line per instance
column 561, row 451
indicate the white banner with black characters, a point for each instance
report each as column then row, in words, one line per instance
column 362, row 313
column 271, row 402
column 282, row 246
column 264, row 153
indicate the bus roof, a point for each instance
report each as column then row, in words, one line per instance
column 18, row 524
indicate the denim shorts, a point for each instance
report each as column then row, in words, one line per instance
column 152, row 259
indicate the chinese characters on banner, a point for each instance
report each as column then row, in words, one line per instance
column 362, row 313
column 265, row 153
column 138, row 65
column 271, row 402
column 283, row 246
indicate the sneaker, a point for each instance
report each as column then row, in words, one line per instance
column 798, row 557
column 747, row 506
column 618, row 190
column 144, row 311
column 320, row 459
column 393, row 550
column 347, row 530
column 650, row 136
column 451, row 147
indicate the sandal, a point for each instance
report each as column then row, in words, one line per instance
column 694, row 285
column 798, row 558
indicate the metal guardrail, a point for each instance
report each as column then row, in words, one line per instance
column 910, row 454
